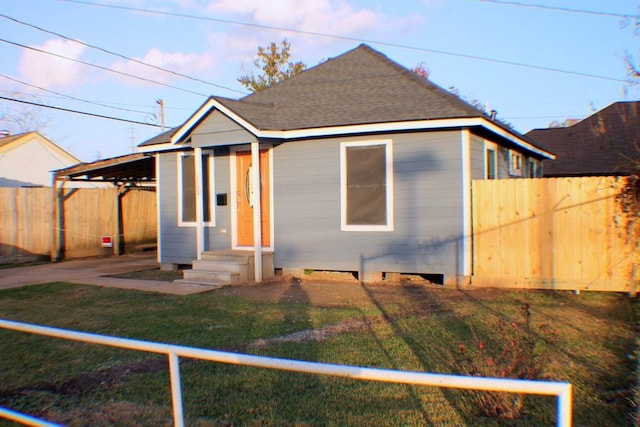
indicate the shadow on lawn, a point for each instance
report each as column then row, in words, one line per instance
column 291, row 393
column 611, row 383
column 421, row 304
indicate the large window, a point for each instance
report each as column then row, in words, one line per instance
column 187, row 188
column 366, row 174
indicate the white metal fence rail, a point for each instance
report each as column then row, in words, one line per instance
column 563, row 391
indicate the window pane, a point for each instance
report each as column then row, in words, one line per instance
column 366, row 185
column 188, row 189
column 491, row 164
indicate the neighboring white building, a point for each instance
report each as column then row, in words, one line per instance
column 28, row 160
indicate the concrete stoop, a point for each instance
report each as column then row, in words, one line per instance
column 224, row 268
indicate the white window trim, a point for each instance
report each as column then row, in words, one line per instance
column 212, row 190
column 514, row 170
column 488, row 145
column 389, row 186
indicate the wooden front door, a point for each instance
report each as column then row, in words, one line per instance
column 244, row 198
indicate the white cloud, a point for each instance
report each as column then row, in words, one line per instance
column 190, row 64
column 49, row 71
column 328, row 16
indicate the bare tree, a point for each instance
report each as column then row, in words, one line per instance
column 18, row 118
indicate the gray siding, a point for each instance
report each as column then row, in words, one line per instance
column 218, row 129
column 178, row 244
column 478, row 161
column 219, row 237
column 427, row 207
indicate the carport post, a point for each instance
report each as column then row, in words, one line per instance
column 118, row 234
column 57, row 220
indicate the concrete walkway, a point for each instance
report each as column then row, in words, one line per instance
column 93, row 271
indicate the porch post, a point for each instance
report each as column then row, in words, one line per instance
column 199, row 202
column 467, row 230
column 257, row 210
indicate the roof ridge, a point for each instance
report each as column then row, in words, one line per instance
column 400, row 70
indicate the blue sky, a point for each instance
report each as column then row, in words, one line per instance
column 220, row 49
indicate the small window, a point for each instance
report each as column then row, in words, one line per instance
column 491, row 169
column 187, row 188
column 366, row 184
column 515, row 163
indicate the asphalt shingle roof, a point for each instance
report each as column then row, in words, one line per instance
column 602, row 144
column 361, row 86
column 162, row 138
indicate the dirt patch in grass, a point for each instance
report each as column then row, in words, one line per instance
column 102, row 378
column 112, row 414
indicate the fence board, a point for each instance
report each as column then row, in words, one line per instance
column 27, row 221
column 553, row 233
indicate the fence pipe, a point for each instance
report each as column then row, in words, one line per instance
column 24, row 419
column 176, row 390
column 565, row 414
column 561, row 390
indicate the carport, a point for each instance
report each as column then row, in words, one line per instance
column 131, row 171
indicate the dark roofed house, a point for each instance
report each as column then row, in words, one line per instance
column 605, row 143
column 357, row 164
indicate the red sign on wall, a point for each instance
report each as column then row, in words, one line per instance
column 107, row 242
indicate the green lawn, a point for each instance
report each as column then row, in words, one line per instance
column 584, row 339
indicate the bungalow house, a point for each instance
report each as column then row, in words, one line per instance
column 605, row 143
column 357, row 164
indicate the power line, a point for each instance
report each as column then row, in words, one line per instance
column 73, row 97
column 119, row 55
column 562, row 9
column 101, row 67
column 360, row 40
column 77, row 112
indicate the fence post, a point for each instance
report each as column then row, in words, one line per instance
column 176, row 390
column 565, row 414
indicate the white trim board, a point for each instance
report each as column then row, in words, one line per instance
column 211, row 103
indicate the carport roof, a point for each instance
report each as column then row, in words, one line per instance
column 136, row 167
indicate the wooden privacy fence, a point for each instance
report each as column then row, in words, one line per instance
column 71, row 222
column 554, row 233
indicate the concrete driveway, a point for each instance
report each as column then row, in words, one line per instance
column 93, row 271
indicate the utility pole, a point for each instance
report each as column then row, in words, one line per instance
column 160, row 102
